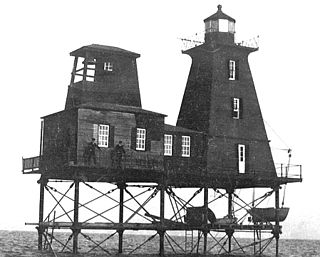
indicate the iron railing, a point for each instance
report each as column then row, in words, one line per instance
column 31, row 164
column 289, row 170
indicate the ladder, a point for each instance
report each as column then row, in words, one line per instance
column 188, row 241
column 189, row 244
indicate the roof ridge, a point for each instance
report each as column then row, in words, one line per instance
column 102, row 49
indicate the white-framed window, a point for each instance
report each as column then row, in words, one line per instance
column 241, row 158
column 168, row 145
column 236, row 108
column 232, row 70
column 108, row 66
column 91, row 69
column 185, row 146
column 101, row 133
column 141, row 139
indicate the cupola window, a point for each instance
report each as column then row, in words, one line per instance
column 108, row 66
column 91, row 68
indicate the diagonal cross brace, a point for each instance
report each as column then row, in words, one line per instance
column 141, row 206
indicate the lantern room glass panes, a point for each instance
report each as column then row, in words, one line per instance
column 211, row 26
column 231, row 27
column 185, row 146
column 168, row 145
column 223, row 25
column 141, row 139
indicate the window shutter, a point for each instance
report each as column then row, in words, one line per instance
column 192, row 146
column 241, row 108
column 237, row 157
column 111, row 136
column 228, row 69
column 148, row 140
column 96, row 132
column 247, row 158
column 178, row 145
column 174, row 145
column 237, row 70
column 232, row 107
column 133, row 138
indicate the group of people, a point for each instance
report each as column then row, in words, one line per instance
column 117, row 154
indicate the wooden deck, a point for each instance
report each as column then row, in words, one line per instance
column 153, row 226
column 179, row 179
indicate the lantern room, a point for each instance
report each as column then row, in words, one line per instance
column 219, row 28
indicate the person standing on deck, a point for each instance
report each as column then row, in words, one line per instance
column 92, row 151
column 119, row 152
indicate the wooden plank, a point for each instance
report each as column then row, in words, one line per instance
column 152, row 226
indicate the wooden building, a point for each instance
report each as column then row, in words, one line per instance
column 106, row 106
column 66, row 136
column 220, row 141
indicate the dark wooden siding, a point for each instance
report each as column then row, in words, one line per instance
column 59, row 139
column 123, row 128
column 121, row 123
column 213, row 112
column 227, row 132
column 223, row 156
column 120, row 86
column 195, row 107
column 195, row 164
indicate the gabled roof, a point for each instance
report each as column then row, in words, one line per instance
column 219, row 15
column 102, row 49
column 118, row 108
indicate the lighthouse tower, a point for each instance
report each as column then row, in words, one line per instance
column 220, row 100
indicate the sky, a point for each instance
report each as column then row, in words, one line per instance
column 37, row 37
